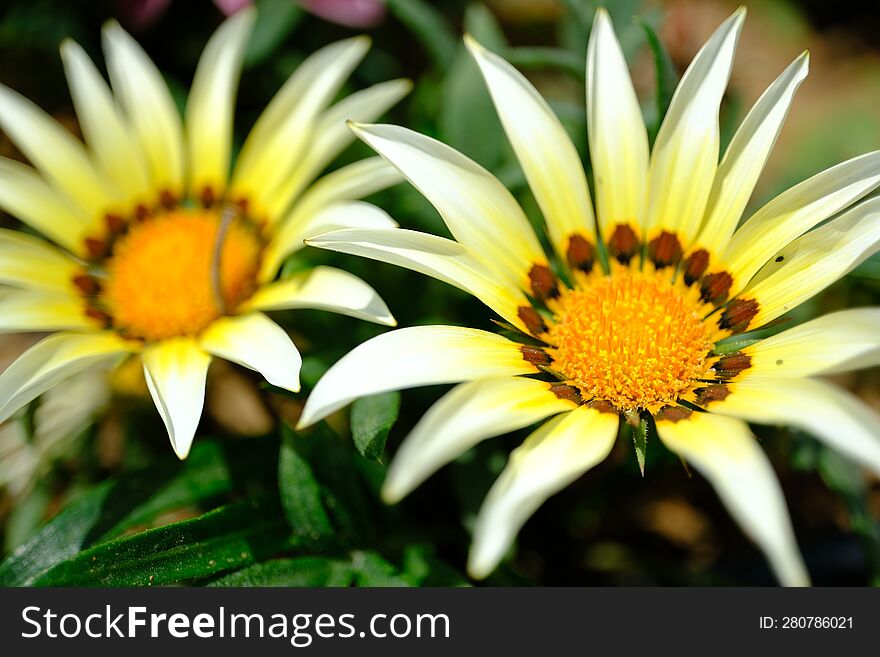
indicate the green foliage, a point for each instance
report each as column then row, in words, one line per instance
column 666, row 77
column 371, row 420
column 430, row 26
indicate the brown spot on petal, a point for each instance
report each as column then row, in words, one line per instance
column 602, row 406
column 535, row 355
column 567, row 392
column 665, row 250
column 114, row 223
column 95, row 248
column 581, row 253
column 695, row 266
column 86, row 284
column 709, row 394
column 167, row 199
column 673, row 414
column 100, row 315
column 738, row 315
column 141, row 212
column 532, row 320
column 543, row 282
column 731, row 365
column 623, row 243
column 207, row 196
column 715, row 287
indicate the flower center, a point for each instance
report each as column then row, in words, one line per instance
column 633, row 339
column 173, row 275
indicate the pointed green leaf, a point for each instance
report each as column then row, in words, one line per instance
column 371, row 420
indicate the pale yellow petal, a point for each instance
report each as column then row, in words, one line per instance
column 549, row 460
column 51, row 361
column 332, row 135
column 544, row 149
column 796, row 211
column 210, row 106
column 284, row 131
column 26, row 311
column 814, row 261
column 616, row 129
column 58, row 155
column 256, row 342
column 175, row 371
column 745, row 157
column 478, row 210
column 837, row 342
column 438, row 257
column 31, row 263
column 106, row 131
column 724, row 451
column 142, row 91
column 468, row 414
column 835, row 416
column 685, row 153
column 409, row 357
column 324, row 288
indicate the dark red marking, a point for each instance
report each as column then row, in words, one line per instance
column 543, row 282
column 567, row 392
column 709, row 394
column 535, row 355
column 665, row 250
column 623, row 243
column 602, row 406
column 731, row 365
column 673, row 414
column 738, row 315
column 86, row 284
column 532, row 320
column 581, row 253
column 695, row 266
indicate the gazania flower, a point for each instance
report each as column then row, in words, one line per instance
column 159, row 252
column 643, row 315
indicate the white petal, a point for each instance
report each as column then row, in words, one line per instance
column 468, row 414
column 175, row 371
column 55, row 152
column 835, row 416
column 324, row 288
column 814, row 261
column 42, row 310
column 745, row 157
column 726, row 453
column 477, row 208
column 52, row 360
column 286, row 128
column 548, row 461
column 140, row 88
column 25, row 195
column 30, row 263
column 211, row 102
column 441, row 258
column 104, row 127
column 256, row 342
column 618, row 138
column 686, row 150
column 837, row 342
column 290, row 236
column 332, row 135
column 409, row 357
column 546, row 153
column 796, row 211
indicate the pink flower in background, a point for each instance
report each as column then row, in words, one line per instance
column 139, row 15
column 351, row 13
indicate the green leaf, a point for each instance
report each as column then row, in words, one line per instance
column 429, row 26
column 667, row 78
column 275, row 20
column 300, row 491
column 371, row 569
column 371, row 419
column 640, row 441
column 225, row 539
column 299, row 571
column 117, row 505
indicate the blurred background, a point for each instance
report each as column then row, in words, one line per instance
column 612, row 527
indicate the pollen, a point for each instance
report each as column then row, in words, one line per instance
column 166, row 277
column 634, row 339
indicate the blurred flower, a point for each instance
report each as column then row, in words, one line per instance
column 647, row 321
column 160, row 252
column 63, row 415
column 141, row 14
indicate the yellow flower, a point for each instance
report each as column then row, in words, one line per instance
column 634, row 319
column 160, row 252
